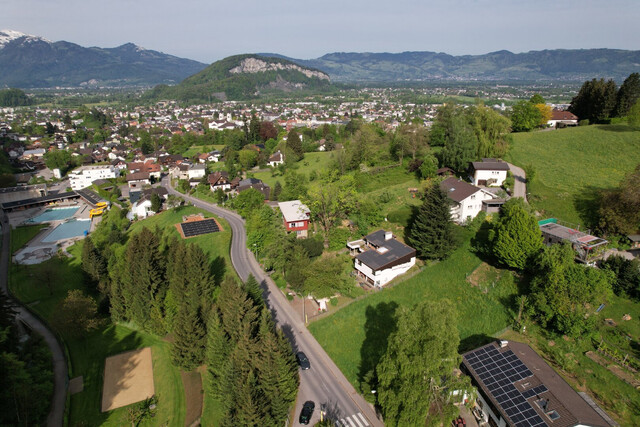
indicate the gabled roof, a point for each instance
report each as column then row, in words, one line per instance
column 458, row 190
column 490, row 165
column 563, row 115
column 525, row 389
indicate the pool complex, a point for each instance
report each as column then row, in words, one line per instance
column 54, row 215
column 69, row 229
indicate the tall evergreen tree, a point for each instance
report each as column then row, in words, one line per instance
column 431, row 232
column 294, row 143
column 628, row 94
column 189, row 336
column 595, row 101
column 461, row 145
column 253, row 289
column 144, row 284
column 217, row 352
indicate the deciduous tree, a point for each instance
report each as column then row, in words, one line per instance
column 416, row 374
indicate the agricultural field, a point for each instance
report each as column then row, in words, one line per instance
column 572, row 165
column 485, row 296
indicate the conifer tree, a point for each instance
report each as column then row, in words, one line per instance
column 253, row 289
column 189, row 335
column 431, row 233
column 144, row 285
column 216, row 353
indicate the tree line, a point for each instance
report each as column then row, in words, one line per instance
column 162, row 285
column 598, row 100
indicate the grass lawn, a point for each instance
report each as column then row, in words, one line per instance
column 312, row 162
column 217, row 245
column 20, row 236
column 199, row 149
column 348, row 334
column 572, row 165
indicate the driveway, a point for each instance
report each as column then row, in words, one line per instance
column 520, row 182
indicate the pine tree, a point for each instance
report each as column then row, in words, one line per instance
column 199, row 278
column 188, row 347
column 253, row 289
column 216, row 353
column 431, row 233
column 628, row 94
column 144, row 285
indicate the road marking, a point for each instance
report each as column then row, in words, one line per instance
column 351, row 422
column 357, row 421
column 363, row 419
column 341, row 423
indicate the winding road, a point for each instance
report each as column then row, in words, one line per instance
column 60, row 371
column 324, row 383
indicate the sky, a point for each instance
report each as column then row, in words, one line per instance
column 209, row 30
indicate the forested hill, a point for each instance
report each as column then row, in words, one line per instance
column 34, row 62
column 244, row 77
column 545, row 65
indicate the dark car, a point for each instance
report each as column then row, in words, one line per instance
column 302, row 361
column 307, row 412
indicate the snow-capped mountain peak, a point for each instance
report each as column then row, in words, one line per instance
column 7, row 36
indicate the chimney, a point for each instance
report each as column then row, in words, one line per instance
column 388, row 235
column 503, row 343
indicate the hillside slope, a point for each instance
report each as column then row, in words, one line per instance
column 244, row 77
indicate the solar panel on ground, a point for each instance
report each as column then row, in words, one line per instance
column 196, row 228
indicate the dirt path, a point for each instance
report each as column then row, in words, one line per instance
column 193, row 394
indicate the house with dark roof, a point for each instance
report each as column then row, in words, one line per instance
column 489, row 172
column 516, row 387
column 255, row 183
column 276, row 159
column 381, row 258
column 218, row 180
column 467, row 200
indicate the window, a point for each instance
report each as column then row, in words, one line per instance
column 473, row 197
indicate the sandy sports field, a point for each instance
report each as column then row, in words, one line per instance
column 128, row 378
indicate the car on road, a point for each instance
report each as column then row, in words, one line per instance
column 303, row 361
column 307, row 412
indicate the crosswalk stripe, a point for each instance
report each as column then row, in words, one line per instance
column 357, row 421
column 351, row 422
column 363, row 419
column 342, row 423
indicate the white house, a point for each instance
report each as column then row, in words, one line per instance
column 382, row 258
column 196, row 171
column 489, row 172
column 276, row 159
column 83, row 176
column 562, row 117
column 467, row 199
column 140, row 209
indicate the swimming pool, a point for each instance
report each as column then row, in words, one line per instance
column 54, row 215
column 69, row 229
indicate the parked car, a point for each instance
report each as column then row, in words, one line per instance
column 303, row 361
column 307, row 412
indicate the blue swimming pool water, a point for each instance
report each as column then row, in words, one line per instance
column 54, row 215
column 69, row 229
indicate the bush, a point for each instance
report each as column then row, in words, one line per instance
column 584, row 122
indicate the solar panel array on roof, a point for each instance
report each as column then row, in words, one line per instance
column 196, row 228
column 499, row 371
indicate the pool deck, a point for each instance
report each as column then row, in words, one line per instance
column 36, row 250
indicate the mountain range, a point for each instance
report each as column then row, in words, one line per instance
column 575, row 65
column 34, row 62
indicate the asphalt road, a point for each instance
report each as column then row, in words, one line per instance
column 60, row 372
column 324, row 383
